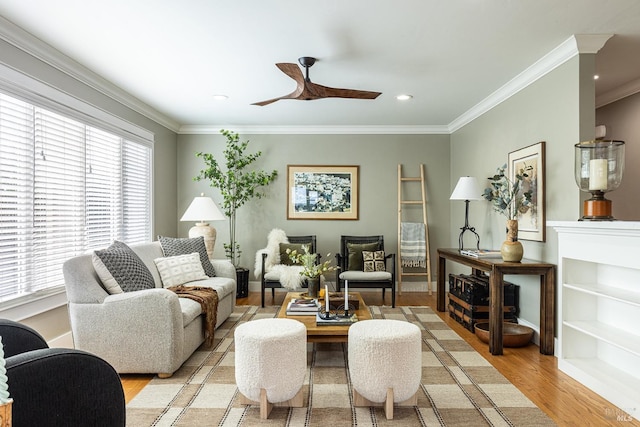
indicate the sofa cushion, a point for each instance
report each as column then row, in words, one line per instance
column 364, row 276
column 373, row 261
column 180, row 269
column 172, row 246
column 284, row 256
column 223, row 285
column 121, row 270
column 355, row 262
column 190, row 310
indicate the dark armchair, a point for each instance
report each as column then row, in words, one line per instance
column 58, row 386
column 270, row 280
column 378, row 271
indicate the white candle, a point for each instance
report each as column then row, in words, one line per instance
column 598, row 174
column 346, row 295
column 326, row 297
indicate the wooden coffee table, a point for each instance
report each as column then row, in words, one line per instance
column 325, row 333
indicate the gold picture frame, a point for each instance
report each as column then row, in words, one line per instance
column 531, row 224
column 322, row 192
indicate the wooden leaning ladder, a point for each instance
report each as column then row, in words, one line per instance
column 423, row 203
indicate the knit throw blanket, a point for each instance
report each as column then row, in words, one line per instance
column 413, row 248
column 208, row 299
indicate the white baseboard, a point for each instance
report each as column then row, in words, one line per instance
column 536, row 330
column 62, row 341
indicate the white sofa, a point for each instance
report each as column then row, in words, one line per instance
column 147, row 331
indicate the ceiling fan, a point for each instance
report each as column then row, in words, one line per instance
column 307, row 90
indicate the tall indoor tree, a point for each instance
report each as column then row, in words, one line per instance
column 236, row 183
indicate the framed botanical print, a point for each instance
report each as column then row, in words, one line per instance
column 531, row 224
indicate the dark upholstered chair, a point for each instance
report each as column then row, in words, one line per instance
column 351, row 265
column 274, row 283
column 58, row 386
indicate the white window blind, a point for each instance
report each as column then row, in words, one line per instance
column 65, row 188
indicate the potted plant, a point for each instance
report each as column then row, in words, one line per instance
column 311, row 268
column 509, row 199
column 236, row 183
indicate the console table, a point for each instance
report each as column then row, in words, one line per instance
column 497, row 269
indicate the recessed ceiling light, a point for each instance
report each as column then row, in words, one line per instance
column 404, row 97
column 596, row 77
column 220, row 97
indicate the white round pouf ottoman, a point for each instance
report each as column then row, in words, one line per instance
column 271, row 362
column 385, row 363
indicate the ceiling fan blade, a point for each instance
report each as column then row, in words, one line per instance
column 320, row 91
column 268, row 101
column 291, row 70
column 293, row 95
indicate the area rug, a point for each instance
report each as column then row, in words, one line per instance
column 458, row 387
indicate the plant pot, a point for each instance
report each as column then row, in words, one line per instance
column 313, row 286
column 511, row 249
column 242, row 282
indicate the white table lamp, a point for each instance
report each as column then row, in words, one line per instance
column 203, row 209
column 467, row 189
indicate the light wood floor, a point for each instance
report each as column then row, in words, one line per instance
column 565, row 400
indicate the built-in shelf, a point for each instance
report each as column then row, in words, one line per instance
column 599, row 304
column 607, row 334
column 614, row 294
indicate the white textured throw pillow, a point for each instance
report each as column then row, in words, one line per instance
column 180, row 269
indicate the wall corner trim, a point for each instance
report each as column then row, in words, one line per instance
column 35, row 47
column 574, row 45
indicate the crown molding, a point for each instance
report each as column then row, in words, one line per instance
column 618, row 93
column 35, row 47
column 574, row 45
column 317, row 130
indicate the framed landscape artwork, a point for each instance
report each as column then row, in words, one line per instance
column 322, row 192
column 531, row 224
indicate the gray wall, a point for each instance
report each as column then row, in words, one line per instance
column 558, row 109
column 55, row 322
column 622, row 119
column 378, row 157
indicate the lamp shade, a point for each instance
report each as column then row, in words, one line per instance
column 203, row 209
column 467, row 189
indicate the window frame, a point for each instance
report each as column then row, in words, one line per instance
column 28, row 89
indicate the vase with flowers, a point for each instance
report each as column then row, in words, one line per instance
column 510, row 198
column 311, row 268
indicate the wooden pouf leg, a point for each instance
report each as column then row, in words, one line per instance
column 265, row 349
column 385, row 363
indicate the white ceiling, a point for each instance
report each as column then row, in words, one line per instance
column 450, row 55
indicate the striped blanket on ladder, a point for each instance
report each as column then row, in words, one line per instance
column 413, row 248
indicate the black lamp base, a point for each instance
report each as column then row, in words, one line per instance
column 466, row 227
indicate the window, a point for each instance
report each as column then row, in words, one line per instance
column 65, row 188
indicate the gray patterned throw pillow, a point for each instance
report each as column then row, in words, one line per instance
column 174, row 246
column 123, row 268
